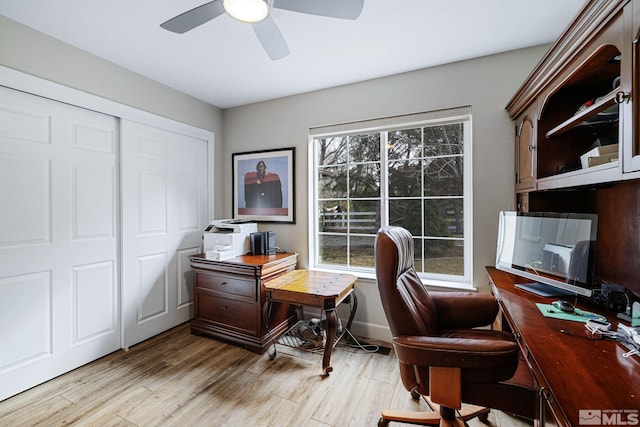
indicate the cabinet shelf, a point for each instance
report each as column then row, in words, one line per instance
column 573, row 122
column 607, row 172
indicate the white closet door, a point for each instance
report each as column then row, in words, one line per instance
column 59, row 293
column 164, row 196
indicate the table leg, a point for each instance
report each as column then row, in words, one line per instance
column 352, row 314
column 266, row 316
column 331, row 337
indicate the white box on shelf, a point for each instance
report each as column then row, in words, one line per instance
column 600, row 160
column 605, row 150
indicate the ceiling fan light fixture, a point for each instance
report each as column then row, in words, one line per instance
column 250, row 11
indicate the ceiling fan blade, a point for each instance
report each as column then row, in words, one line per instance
column 271, row 38
column 344, row 9
column 195, row 17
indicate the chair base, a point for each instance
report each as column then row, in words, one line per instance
column 433, row 418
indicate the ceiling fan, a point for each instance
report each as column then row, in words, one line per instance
column 256, row 13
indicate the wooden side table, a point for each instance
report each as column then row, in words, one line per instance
column 316, row 289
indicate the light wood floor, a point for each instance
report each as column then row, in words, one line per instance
column 178, row 379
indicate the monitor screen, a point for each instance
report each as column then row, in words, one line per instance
column 557, row 250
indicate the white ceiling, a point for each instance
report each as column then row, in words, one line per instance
column 222, row 62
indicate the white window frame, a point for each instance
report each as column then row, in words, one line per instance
column 454, row 115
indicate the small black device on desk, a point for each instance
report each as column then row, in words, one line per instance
column 262, row 243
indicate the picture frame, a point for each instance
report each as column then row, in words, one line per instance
column 264, row 194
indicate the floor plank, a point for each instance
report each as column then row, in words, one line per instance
column 179, row 379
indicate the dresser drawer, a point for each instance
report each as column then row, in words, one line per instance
column 230, row 313
column 228, row 284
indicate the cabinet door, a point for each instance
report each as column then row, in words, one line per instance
column 525, row 153
column 631, row 146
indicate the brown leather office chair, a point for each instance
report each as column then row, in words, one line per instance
column 441, row 355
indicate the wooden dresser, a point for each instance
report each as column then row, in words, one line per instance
column 230, row 299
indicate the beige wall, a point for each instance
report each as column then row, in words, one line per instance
column 486, row 84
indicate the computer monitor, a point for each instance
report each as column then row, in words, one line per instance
column 556, row 250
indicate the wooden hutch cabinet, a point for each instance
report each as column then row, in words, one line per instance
column 584, row 97
column 585, row 93
column 577, row 99
column 230, row 298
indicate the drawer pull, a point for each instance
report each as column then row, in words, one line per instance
column 622, row 97
column 224, row 307
column 223, row 283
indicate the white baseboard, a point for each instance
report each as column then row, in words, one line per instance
column 375, row 332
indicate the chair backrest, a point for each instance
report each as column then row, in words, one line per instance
column 406, row 302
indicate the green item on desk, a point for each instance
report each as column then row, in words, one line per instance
column 578, row 315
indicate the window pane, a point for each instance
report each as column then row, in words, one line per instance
column 331, row 151
column 405, row 178
column 407, row 214
column 364, row 181
column 362, row 254
column 443, row 177
column 333, row 217
column 443, row 218
column 417, row 255
column 404, row 144
column 332, row 249
column 444, row 257
column 364, row 216
column 364, row 148
column 443, row 140
column 332, row 182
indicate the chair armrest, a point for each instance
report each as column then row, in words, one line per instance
column 463, row 310
column 457, row 352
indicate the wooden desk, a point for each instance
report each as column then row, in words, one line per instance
column 316, row 289
column 573, row 373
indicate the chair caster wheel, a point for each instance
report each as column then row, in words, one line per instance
column 415, row 395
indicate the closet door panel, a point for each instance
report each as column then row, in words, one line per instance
column 59, row 289
column 164, row 194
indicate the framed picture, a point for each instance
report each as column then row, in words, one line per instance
column 263, row 185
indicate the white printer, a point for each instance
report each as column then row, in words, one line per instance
column 228, row 237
